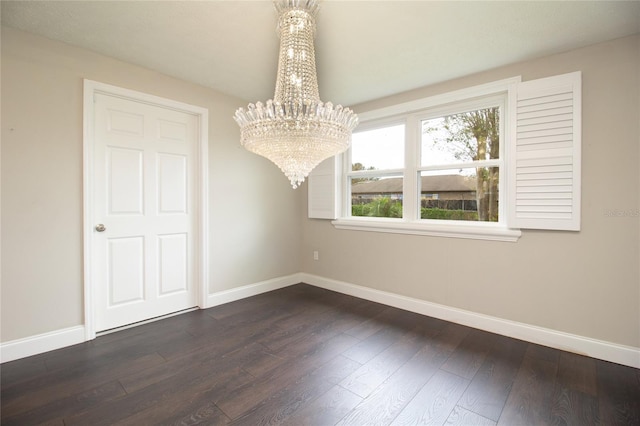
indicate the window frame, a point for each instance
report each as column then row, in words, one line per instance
column 347, row 173
column 484, row 102
column 411, row 114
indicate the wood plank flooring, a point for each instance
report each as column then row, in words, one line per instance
column 307, row 356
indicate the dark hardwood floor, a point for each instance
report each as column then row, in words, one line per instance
column 307, row 356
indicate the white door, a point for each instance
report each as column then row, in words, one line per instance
column 144, row 186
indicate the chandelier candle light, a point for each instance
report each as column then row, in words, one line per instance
column 296, row 130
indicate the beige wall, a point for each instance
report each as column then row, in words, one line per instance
column 585, row 283
column 255, row 217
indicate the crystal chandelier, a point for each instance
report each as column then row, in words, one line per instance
column 296, row 130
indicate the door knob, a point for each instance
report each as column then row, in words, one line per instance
column 100, row 227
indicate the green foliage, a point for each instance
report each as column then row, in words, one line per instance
column 472, row 136
column 443, row 214
column 385, row 207
column 381, row 207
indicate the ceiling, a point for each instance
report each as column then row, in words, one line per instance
column 364, row 49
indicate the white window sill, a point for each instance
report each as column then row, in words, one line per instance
column 449, row 229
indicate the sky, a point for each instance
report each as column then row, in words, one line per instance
column 384, row 149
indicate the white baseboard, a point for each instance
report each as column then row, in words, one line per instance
column 238, row 293
column 33, row 345
column 620, row 354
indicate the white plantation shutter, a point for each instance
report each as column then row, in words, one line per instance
column 544, row 154
column 324, row 189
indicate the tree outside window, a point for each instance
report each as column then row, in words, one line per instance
column 467, row 138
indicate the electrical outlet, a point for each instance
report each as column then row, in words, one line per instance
column 316, row 255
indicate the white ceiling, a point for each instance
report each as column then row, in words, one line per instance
column 364, row 49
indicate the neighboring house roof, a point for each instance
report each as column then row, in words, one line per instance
column 430, row 184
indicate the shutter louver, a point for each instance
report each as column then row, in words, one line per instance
column 324, row 189
column 546, row 145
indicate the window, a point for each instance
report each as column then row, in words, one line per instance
column 376, row 175
column 460, row 158
column 476, row 163
column 437, row 164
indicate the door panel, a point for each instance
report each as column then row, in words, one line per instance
column 125, row 270
column 173, row 261
column 144, row 181
column 172, row 131
column 125, row 180
column 125, row 122
column 172, row 183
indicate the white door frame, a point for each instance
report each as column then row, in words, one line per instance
column 202, row 202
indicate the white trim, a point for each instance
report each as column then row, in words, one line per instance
column 90, row 89
column 128, row 94
column 33, row 345
column 411, row 114
column 608, row 351
column 449, row 229
column 249, row 290
column 438, row 100
column 203, row 219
